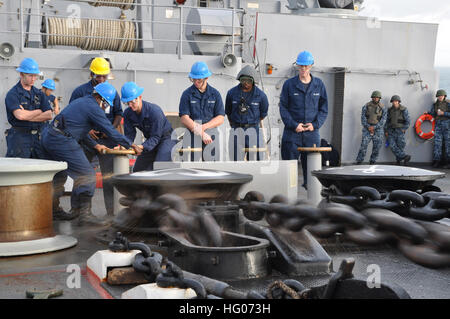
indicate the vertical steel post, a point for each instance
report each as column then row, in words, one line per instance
column 21, row 24
column 121, row 165
column 232, row 30
column 180, row 46
column 314, row 163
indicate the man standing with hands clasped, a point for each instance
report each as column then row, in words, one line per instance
column 303, row 109
column 245, row 106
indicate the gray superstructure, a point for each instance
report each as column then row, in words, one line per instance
column 354, row 55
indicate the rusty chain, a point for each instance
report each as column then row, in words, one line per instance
column 367, row 217
column 278, row 289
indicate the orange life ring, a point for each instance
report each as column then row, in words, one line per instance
column 420, row 120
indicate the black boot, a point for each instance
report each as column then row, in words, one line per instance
column 406, row 159
column 86, row 216
column 61, row 214
column 435, row 164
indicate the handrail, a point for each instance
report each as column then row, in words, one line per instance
column 182, row 25
column 150, row 5
column 116, row 38
column 118, row 19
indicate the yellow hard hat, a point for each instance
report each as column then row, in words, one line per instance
column 100, row 66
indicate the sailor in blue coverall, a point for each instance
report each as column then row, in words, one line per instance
column 303, row 109
column 60, row 142
column 151, row 121
column 27, row 110
column 201, row 111
column 100, row 70
column 48, row 86
column 245, row 106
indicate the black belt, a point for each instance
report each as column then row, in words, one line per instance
column 61, row 132
column 244, row 125
column 26, row 130
column 167, row 134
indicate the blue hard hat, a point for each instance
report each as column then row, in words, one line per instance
column 29, row 65
column 49, row 84
column 199, row 70
column 106, row 91
column 130, row 91
column 305, row 58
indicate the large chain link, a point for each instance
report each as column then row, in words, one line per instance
column 429, row 206
column 167, row 274
column 170, row 211
column 367, row 217
column 156, row 268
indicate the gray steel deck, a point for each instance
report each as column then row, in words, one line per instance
column 47, row 271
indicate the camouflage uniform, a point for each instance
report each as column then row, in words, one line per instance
column 372, row 115
column 442, row 129
column 397, row 122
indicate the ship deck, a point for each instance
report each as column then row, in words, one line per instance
column 52, row 271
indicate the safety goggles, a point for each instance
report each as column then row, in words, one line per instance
column 104, row 103
column 197, row 80
column 104, row 76
column 245, row 80
column 134, row 101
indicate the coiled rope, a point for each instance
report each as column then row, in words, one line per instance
column 93, row 34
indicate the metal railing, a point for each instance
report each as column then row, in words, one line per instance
column 180, row 23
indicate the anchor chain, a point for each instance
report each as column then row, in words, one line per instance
column 367, row 217
column 172, row 276
column 428, row 206
column 156, row 268
column 169, row 211
column 168, row 274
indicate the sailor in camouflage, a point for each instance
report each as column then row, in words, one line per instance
column 440, row 110
column 397, row 123
column 373, row 118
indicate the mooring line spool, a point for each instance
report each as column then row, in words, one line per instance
column 92, row 34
